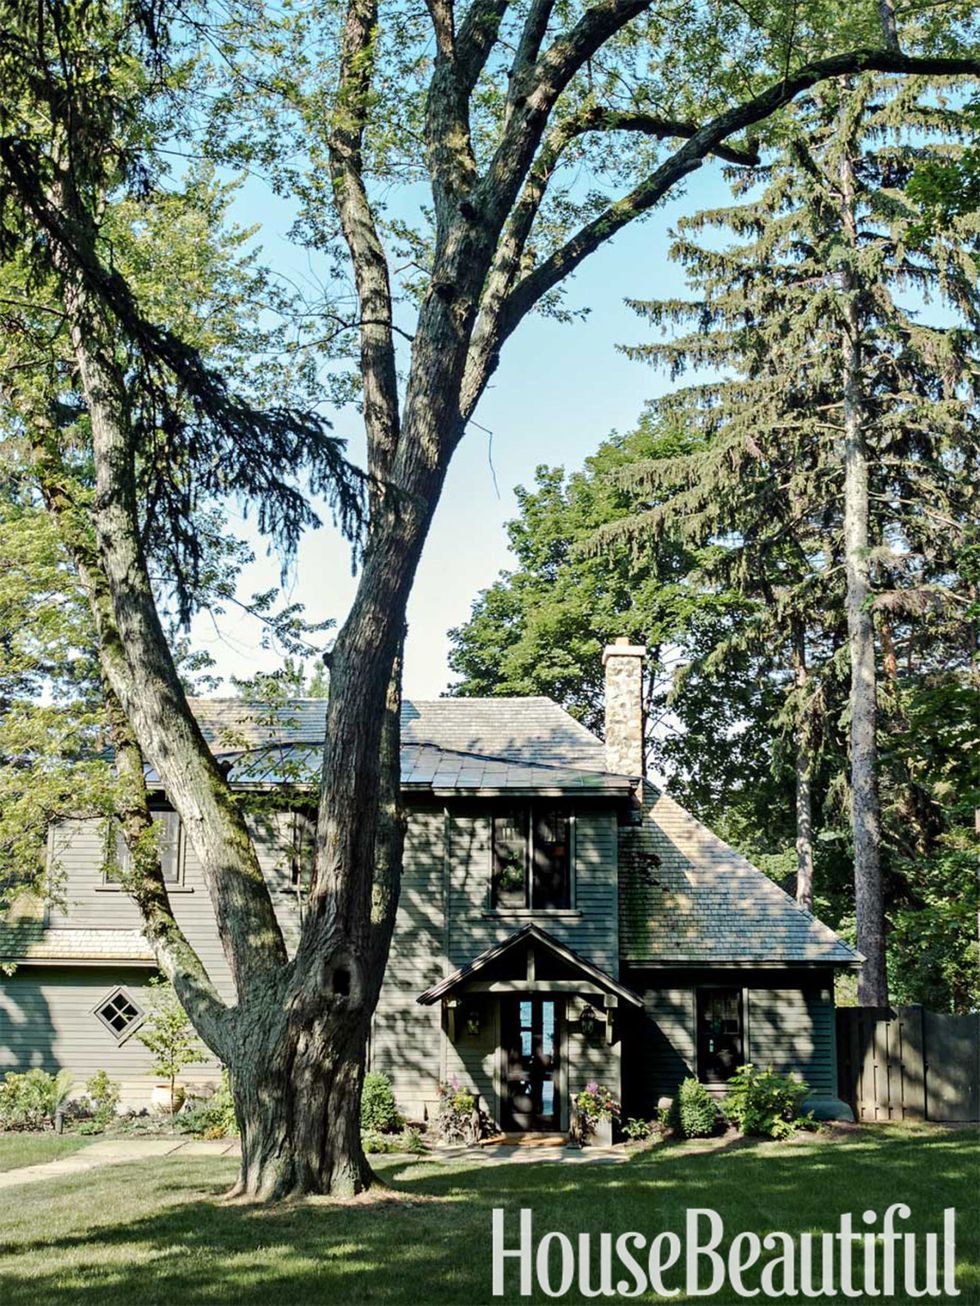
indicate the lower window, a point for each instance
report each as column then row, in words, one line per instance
column 720, row 1051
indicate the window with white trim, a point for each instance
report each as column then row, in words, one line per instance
column 120, row 1013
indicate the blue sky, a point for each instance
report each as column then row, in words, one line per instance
column 559, row 391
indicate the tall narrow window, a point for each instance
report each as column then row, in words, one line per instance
column 550, row 882
column 510, row 830
column 303, row 849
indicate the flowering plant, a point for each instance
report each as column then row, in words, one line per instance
column 457, row 1109
column 595, row 1102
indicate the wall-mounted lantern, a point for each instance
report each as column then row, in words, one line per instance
column 473, row 1021
column 587, row 1021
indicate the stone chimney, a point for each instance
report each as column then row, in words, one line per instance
column 623, row 662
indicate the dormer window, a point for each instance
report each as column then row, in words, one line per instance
column 532, row 858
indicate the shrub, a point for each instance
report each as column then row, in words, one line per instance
column 32, row 1099
column 214, row 1117
column 379, row 1111
column 693, row 1113
column 764, row 1103
column 413, row 1142
column 408, row 1141
column 638, row 1131
column 458, row 1120
column 103, row 1095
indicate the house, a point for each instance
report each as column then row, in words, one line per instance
column 561, row 920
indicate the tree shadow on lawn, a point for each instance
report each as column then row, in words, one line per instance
column 427, row 1240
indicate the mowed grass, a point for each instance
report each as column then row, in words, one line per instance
column 18, row 1149
column 156, row 1231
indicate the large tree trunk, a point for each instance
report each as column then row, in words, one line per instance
column 865, row 817
column 296, row 1080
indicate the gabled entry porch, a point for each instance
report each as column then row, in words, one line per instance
column 527, row 1024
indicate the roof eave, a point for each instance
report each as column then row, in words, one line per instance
column 530, row 931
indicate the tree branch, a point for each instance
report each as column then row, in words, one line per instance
column 506, row 266
column 452, row 164
column 476, row 38
column 691, row 155
column 529, row 46
column 534, row 91
column 377, row 348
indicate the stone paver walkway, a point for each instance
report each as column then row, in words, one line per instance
column 112, row 1151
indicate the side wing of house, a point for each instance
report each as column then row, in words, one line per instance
column 730, row 969
column 79, row 988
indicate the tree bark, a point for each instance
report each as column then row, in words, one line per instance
column 865, row 816
column 804, row 779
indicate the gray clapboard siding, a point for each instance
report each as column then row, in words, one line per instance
column 474, row 1059
column 406, row 1038
column 47, row 1021
column 667, row 1052
column 792, row 1030
column 591, row 927
column 78, row 854
column 588, row 1060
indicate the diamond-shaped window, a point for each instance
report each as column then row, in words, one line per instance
column 119, row 1013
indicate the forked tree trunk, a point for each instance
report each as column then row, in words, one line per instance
column 865, row 817
column 297, row 1090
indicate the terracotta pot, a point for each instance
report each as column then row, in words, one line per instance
column 160, row 1097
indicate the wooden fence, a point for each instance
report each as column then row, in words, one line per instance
column 906, row 1063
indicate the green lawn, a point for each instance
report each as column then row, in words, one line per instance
column 33, row 1149
column 155, row 1231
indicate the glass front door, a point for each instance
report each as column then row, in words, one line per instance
column 530, row 1053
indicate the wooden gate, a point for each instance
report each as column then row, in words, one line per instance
column 905, row 1063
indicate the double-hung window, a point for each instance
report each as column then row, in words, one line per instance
column 171, row 851
column 532, row 858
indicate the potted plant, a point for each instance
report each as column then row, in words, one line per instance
column 169, row 1035
column 597, row 1109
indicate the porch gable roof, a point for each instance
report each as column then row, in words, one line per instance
column 530, row 932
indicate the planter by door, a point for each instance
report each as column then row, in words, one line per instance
column 602, row 1136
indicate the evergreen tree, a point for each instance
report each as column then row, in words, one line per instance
column 835, row 467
